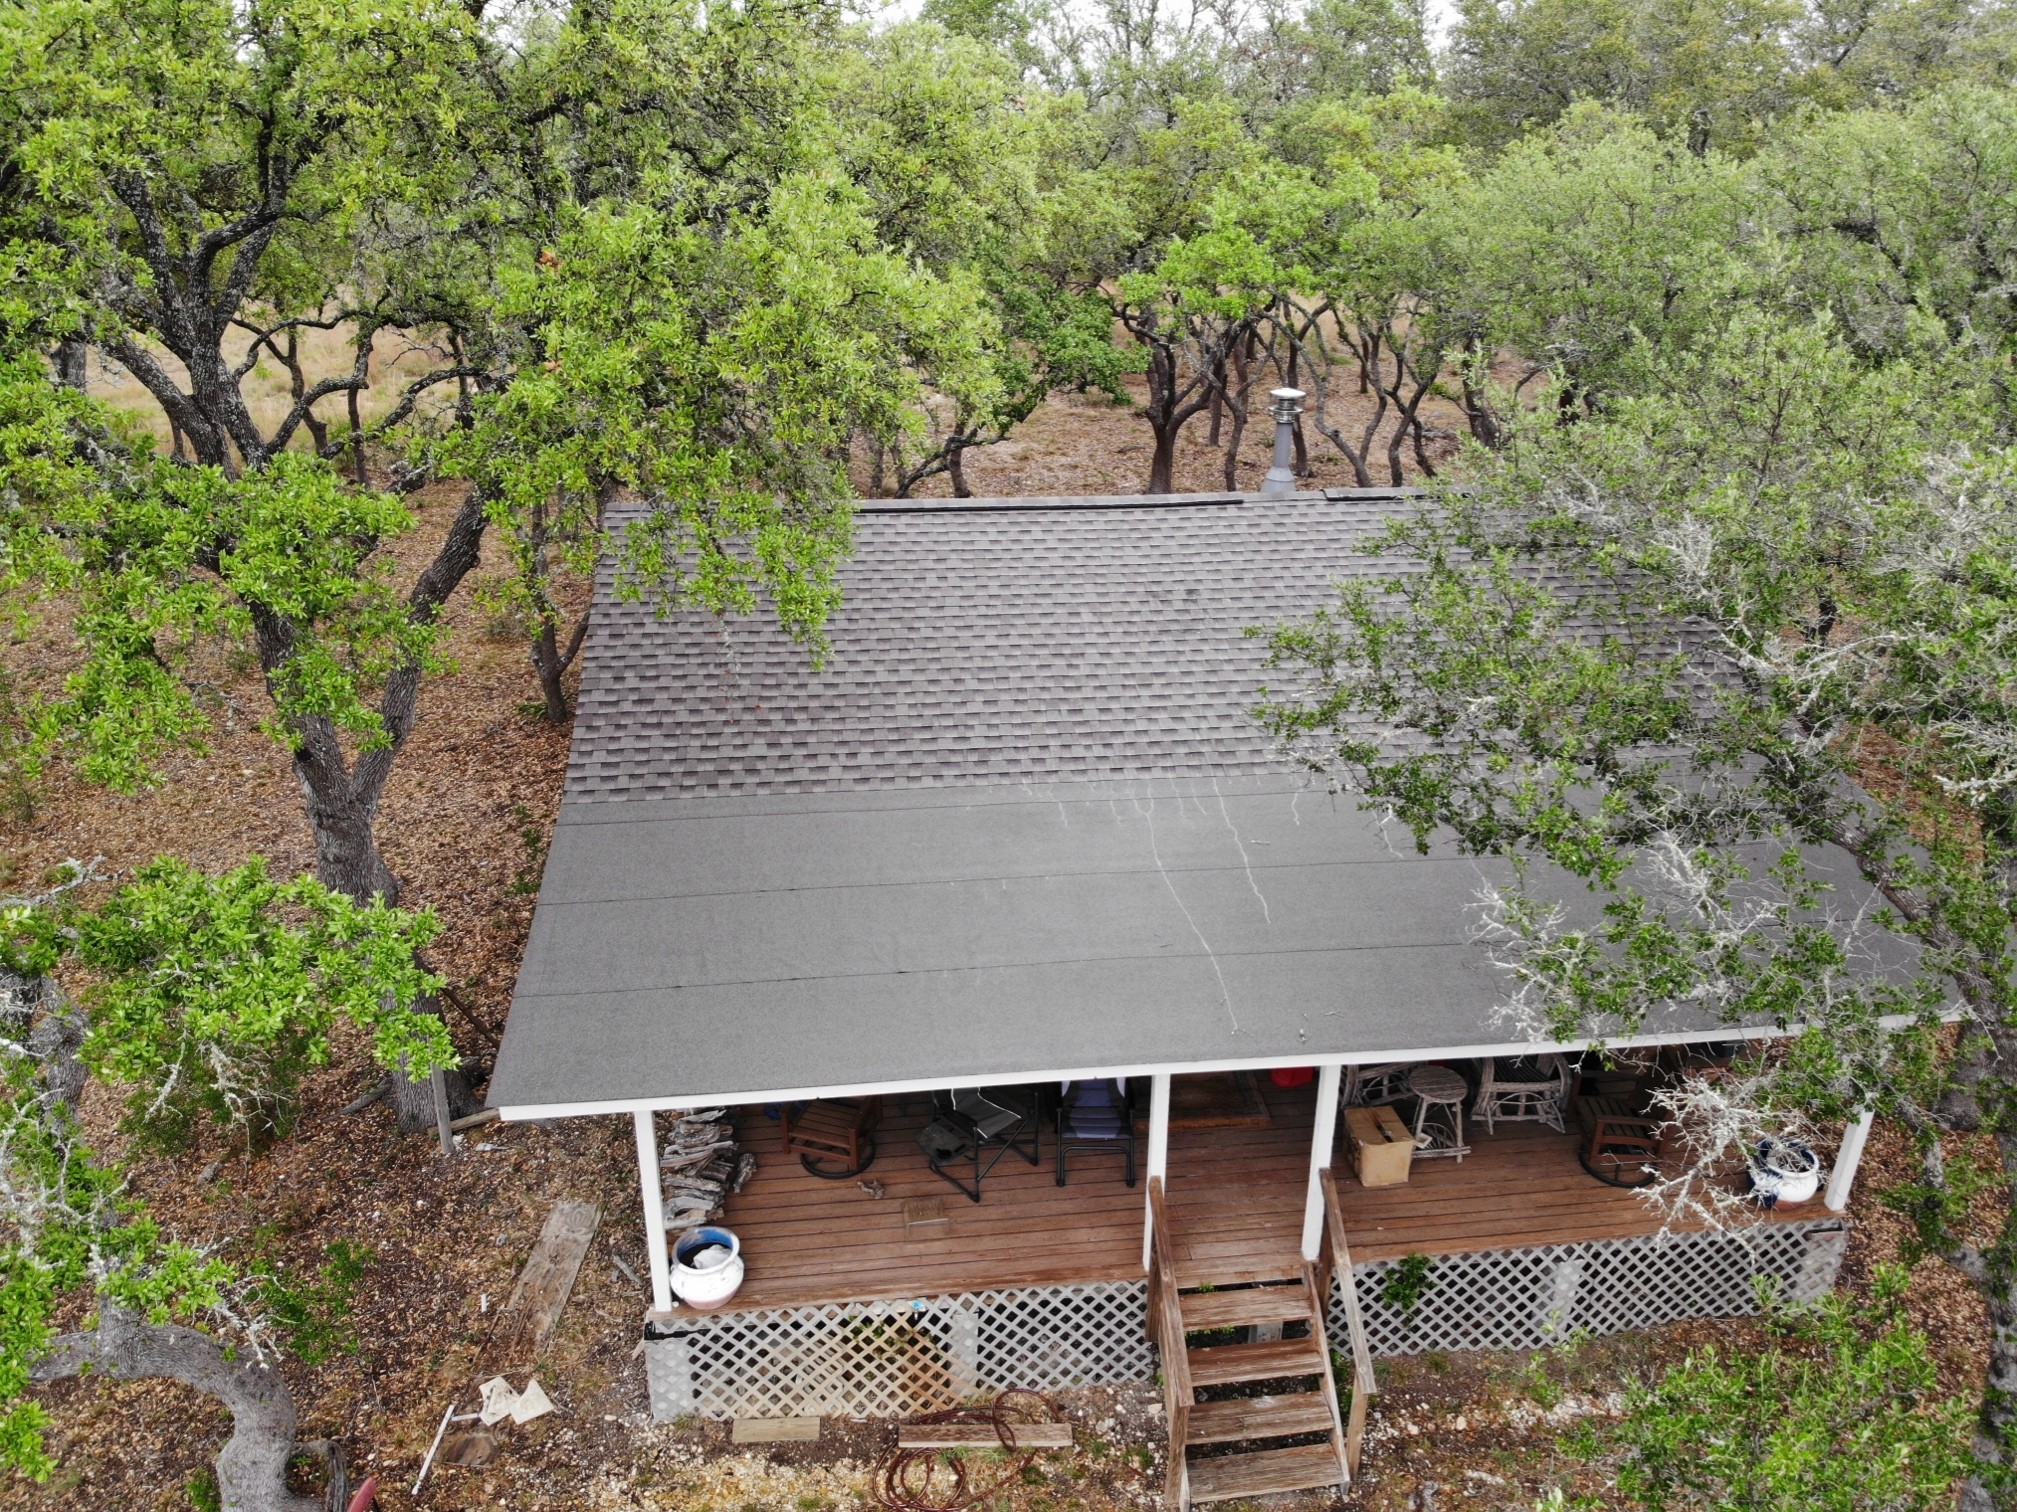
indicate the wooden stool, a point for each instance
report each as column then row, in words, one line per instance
column 1621, row 1146
column 840, row 1129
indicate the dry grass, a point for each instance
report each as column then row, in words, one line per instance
column 396, row 359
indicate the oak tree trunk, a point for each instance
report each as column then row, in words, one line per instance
column 343, row 821
column 1163, row 462
column 1996, row 1427
column 252, row 1465
column 1162, row 417
column 73, row 364
column 1239, row 412
column 547, row 663
column 1293, row 378
column 341, row 796
column 1241, row 385
column 1367, row 352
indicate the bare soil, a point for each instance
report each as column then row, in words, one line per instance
column 465, row 823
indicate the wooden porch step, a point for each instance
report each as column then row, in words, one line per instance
column 1223, row 1364
column 1260, row 1417
column 1218, row 1271
column 1241, row 1309
column 1262, row 1474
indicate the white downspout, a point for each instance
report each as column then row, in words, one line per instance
column 1159, row 1154
column 1842, row 1180
column 654, row 1211
column 1321, row 1140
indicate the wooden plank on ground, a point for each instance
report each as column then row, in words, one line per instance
column 982, row 1436
column 785, row 1430
column 534, row 1306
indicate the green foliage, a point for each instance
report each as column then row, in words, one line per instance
column 1902, row 225
column 525, row 880
column 190, row 558
column 1712, row 75
column 1407, row 1282
column 1591, row 249
column 1842, row 1412
column 203, row 1493
column 1737, row 635
column 312, row 1313
column 214, row 996
column 20, row 763
column 64, row 1225
column 1709, row 74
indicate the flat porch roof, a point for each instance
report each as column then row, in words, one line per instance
column 1236, row 1200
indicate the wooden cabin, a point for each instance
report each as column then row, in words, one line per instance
column 1016, row 835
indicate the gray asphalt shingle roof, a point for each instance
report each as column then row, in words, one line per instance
column 987, row 642
column 1020, row 823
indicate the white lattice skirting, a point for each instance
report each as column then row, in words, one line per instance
column 892, row 1359
column 1530, row 1298
column 889, row 1359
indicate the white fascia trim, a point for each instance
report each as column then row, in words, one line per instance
column 518, row 1113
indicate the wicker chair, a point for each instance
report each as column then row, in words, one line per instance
column 1523, row 1089
column 1376, row 1086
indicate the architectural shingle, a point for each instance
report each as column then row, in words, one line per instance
column 998, row 641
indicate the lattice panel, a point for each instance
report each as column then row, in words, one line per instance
column 1530, row 1298
column 891, row 1359
column 1055, row 1338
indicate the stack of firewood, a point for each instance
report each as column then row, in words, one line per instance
column 700, row 1169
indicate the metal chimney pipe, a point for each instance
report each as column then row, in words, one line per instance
column 1286, row 405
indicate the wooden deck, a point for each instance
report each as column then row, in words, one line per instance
column 1236, row 1203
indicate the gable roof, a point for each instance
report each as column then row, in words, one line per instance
column 1021, row 823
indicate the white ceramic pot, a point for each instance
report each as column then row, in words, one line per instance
column 707, row 1267
column 1786, row 1171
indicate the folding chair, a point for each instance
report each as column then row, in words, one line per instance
column 1096, row 1115
column 968, row 1123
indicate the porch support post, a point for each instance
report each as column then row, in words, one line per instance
column 1159, row 1154
column 1842, row 1180
column 654, row 1211
column 1321, row 1139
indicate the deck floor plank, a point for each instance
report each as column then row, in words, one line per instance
column 1236, row 1195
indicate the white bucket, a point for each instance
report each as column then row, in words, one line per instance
column 707, row 1267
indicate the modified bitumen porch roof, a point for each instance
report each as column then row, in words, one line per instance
column 1020, row 823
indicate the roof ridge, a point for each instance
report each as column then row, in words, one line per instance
column 1059, row 503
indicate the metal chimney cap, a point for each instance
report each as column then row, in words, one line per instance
column 1288, row 404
